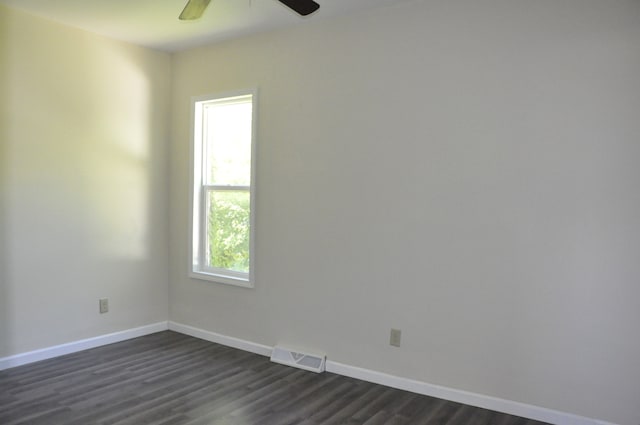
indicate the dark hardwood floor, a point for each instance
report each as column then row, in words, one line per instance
column 170, row 379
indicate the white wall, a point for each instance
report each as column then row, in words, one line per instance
column 466, row 171
column 83, row 184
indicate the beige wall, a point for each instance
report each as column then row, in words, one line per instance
column 466, row 171
column 83, row 184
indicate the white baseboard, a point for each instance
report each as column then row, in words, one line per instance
column 479, row 400
column 473, row 399
column 241, row 344
column 84, row 344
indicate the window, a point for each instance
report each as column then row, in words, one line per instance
column 223, row 188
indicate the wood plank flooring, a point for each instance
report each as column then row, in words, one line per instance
column 173, row 379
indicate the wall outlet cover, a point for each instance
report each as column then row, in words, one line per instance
column 395, row 337
column 104, row 305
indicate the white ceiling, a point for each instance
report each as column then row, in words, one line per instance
column 155, row 24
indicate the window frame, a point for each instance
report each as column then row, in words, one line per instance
column 199, row 190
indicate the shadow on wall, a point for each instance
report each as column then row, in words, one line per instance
column 5, row 294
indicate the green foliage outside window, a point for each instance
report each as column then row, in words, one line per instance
column 229, row 230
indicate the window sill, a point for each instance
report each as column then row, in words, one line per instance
column 225, row 280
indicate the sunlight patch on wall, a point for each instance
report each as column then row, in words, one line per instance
column 119, row 161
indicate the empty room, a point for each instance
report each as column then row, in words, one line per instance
column 341, row 211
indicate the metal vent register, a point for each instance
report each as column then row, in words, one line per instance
column 307, row 361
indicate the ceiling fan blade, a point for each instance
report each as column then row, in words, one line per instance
column 193, row 9
column 302, row 7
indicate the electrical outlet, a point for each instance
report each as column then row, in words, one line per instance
column 394, row 340
column 104, row 305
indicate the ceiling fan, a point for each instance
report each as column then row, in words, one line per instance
column 195, row 8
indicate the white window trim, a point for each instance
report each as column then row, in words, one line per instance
column 196, row 219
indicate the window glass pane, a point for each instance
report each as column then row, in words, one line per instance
column 228, row 143
column 228, row 230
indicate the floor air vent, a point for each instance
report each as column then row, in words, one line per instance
column 312, row 362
